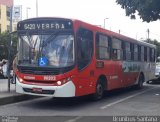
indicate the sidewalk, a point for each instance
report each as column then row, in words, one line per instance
column 11, row 97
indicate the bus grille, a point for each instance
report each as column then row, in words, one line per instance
column 43, row 71
column 41, row 82
column 43, row 91
column 38, row 72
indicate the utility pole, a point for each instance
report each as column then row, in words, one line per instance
column 27, row 12
column 148, row 32
column 119, row 31
column 36, row 8
column 105, row 22
column 9, row 49
column 136, row 36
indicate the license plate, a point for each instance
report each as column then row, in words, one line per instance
column 37, row 90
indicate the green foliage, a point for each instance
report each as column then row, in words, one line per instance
column 4, row 40
column 155, row 42
column 148, row 10
column 4, row 45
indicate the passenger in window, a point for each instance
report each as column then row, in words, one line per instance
column 114, row 54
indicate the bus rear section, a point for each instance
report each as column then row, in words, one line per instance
column 157, row 70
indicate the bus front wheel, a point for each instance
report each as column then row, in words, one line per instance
column 99, row 90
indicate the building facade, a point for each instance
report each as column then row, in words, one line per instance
column 5, row 15
column 6, row 2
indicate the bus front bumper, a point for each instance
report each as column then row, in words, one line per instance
column 66, row 90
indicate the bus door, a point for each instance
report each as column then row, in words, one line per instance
column 105, row 64
column 127, row 64
column 151, row 64
column 84, row 60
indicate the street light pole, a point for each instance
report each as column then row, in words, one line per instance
column 9, row 50
column 105, row 22
column 119, row 31
column 36, row 8
column 27, row 12
column 148, row 35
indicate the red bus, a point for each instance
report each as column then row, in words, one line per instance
column 66, row 58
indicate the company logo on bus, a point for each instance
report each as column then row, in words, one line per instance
column 49, row 78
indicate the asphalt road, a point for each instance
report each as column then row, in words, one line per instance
column 124, row 102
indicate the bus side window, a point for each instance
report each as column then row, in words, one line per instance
column 128, row 51
column 152, row 55
column 145, row 54
column 139, row 53
column 135, row 52
column 117, row 52
column 148, row 55
column 132, row 51
column 124, row 50
column 102, row 45
column 142, row 53
column 84, row 47
column 155, row 53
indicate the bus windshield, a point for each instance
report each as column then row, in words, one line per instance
column 54, row 50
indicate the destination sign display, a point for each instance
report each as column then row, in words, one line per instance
column 47, row 24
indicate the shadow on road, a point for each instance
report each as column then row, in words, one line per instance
column 78, row 102
column 154, row 82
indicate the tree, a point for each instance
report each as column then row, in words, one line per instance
column 4, row 45
column 155, row 42
column 4, row 38
column 148, row 10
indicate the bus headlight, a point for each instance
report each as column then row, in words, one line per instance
column 20, row 79
column 61, row 82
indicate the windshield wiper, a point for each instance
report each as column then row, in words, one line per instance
column 48, row 40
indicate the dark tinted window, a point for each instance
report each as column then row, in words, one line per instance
column 132, row 51
column 142, row 53
column 84, row 47
column 152, row 55
column 145, row 54
column 117, row 53
column 139, row 53
column 124, row 50
column 135, row 52
column 128, row 51
column 148, row 54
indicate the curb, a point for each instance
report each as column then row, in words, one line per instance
column 16, row 98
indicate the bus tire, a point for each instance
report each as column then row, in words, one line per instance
column 140, row 82
column 99, row 90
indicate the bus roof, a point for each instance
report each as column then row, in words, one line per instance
column 116, row 35
column 96, row 29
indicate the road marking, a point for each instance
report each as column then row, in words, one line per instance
column 74, row 119
column 121, row 100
